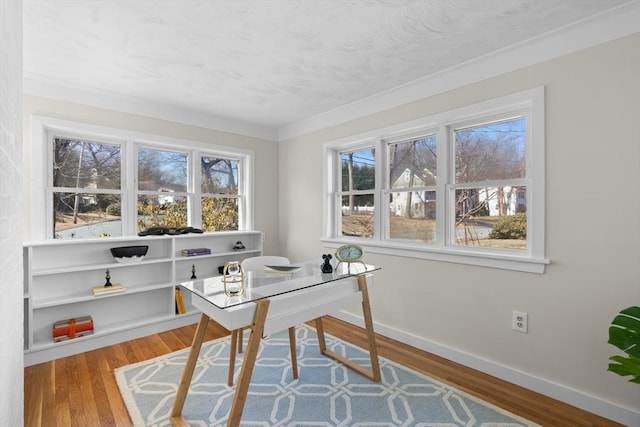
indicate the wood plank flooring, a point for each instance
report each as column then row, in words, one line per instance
column 81, row 390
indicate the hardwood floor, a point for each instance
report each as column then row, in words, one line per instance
column 81, row 390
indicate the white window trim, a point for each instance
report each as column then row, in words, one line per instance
column 42, row 127
column 532, row 260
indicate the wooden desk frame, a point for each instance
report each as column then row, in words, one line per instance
column 257, row 327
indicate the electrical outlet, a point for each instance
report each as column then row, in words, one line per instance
column 520, row 321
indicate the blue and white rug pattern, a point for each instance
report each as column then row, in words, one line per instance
column 326, row 394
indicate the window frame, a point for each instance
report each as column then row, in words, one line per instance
column 388, row 189
column 50, row 190
column 240, row 196
column 43, row 129
column 529, row 103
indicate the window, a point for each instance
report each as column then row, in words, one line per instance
column 220, row 198
column 357, row 184
column 100, row 182
column 86, row 190
column 489, row 184
column 462, row 186
column 412, row 172
column 162, row 193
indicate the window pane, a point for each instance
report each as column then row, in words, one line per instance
column 490, row 152
column 492, row 217
column 412, row 216
column 86, row 215
column 162, row 211
column 85, row 164
column 413, row 163
column 162, row 170
column 219, row 214
column 219, row 176
column 357, row 215
column 358, row 170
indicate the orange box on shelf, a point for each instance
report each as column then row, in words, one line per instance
column 72, row 328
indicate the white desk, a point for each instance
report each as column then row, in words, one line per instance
column 272, row 302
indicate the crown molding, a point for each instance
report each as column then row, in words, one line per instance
column 607, row 26
column 35, row 84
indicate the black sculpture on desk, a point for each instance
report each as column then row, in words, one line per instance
column 326, row 266
column 193, row 271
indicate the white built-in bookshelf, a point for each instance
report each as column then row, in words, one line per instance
column 59, row 277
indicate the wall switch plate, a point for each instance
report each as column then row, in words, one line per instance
column 520, row 321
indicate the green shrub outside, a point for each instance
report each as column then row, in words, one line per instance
column 510, row 227
column 113, row 209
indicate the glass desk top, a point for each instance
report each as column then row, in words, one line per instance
column 262, row 284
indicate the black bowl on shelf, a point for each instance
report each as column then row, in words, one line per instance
column 129, row 253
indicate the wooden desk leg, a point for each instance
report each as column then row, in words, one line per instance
column 232, row 356
column 181, row 395
column 240, row 396
column 374, row 373
column 368, row 322
column 294, row 355
column 320, row 332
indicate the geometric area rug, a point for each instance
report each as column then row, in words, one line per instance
column 326, row 393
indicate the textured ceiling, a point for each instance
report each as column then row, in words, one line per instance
column 273, row 62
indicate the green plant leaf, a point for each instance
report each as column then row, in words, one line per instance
column 626, row 366
column 624, row 339
column 624, row 331
column 633, row 311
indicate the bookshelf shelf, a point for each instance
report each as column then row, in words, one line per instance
column 243, row 254
column 114, row 265
column 59, row 277
column 51, row 302
column 115, row 328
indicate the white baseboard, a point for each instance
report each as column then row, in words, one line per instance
column 612, row 411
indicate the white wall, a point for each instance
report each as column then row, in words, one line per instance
column 593, row 237
column 266, row 158
column 11, row 289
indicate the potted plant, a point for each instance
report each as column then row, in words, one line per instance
column 624, row 333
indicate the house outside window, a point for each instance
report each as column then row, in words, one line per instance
column 412, row 178
column 103, row 182
column 489, row 183
column 463, row 186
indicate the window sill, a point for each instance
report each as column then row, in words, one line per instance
column 459, row 256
